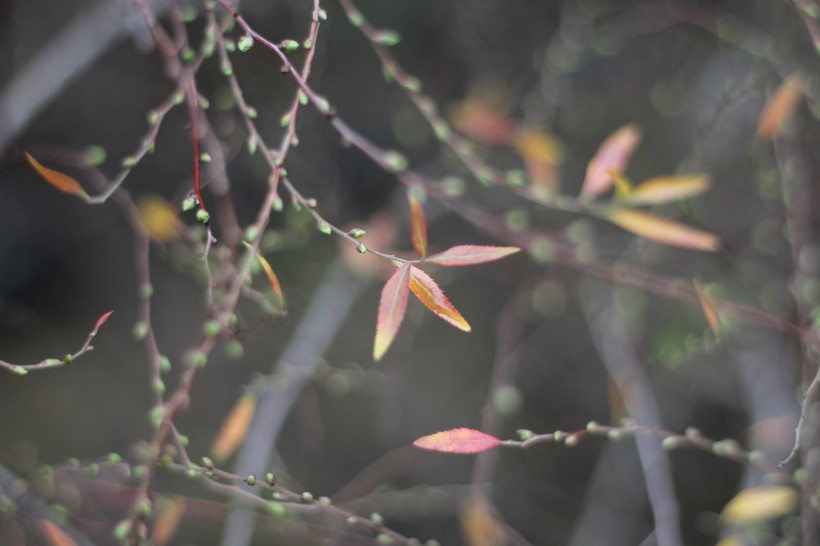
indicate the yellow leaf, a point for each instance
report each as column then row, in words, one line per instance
column 761, row 503
column 61, row 181
column 708, row 306
column 234, row 428
column 623, row 186
column 169, row 516
column 159, row 219
column 781, row 106
column 542, row 154
column 479, row 525
column 662, row 230
column 272, row 278
column 666, row 189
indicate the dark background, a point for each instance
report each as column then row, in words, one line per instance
column 693, row 75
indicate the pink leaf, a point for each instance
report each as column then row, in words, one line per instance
column 458, row 440
column 614, row 153
column 101, row 321
column 392, row 306
column 471, row 255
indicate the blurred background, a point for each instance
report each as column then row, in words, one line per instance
column 554, row 341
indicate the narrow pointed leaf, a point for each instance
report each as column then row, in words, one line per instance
column 458, row 440
column 101, row 321
column 392, row 306
column 761, row 503
column 272, row 278
column 614, row 153
column 168, row 519
column 781, row 106
column 667, row 189
column 234, row 428
column 662, row 230
column 471, row 255
column 418, row 226
column 55, row 535
column 623, row 186
column 432, row 296
column 708, row 306
column 61, row 181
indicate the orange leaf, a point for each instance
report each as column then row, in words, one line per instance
column 272, row 278
column 234, row 428
column 168, row 520
column 479, row 119
column 392, row 306
column 418, row 226
column 780, row 107
column 55, row 535
column 614, row 153
column 61, row 181
column 708, row 306
column 458, row 440
column 666, row 189
column 471, row 255
column 542, row 153
column 159, row 219
column 662, row 230
column 431, row 295
column 480, row 526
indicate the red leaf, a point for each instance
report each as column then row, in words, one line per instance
column 458, row 440
column 614, row 153
column 430, row 294
column 418, row 226
column 392, row 306
column 471, row 254
column 61, row 181
column 101, row 320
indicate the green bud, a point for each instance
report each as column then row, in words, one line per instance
column 669, row 443
column 441, row 130
column 251, row 233
column 205, row 157
column 129, row 162
column 189, row 13
column 278, row 205
column 92, row 470
column 324, row 227
column 361, row 249
column 252, row 113
column 376, row 519
column 307, row 497
column 189, row 203
column 351, row 521
column 234, row 349
column 252, row 145
column 571, row 440
column 95, row 155
column 290, row 45
column 384, row 539
column 139, row 331
column 178, row 97
column 276, row 509
column 195, row 358
column 203, row 216
column 184, row 440
column 270, row 479
column 357, row 233
column 394, row 161
column 592, row 426
column 164, row 364
column 412, row 84
column 322, row 15
column 158, row 386
column 524, row 434
column 303, row 99
column 156, row 416
column 250, row 480
column 204, row 103
column 325, row 501
column 356, row 19
column 284, row 121
column 244, row 43
column 227, row 69
column 308, row 43
column 68, row 359
column 387, row 37
column 207, row 462
column 152, row 117
column 146, row 291
column 188, row 55
column 122, row 530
